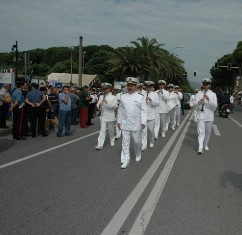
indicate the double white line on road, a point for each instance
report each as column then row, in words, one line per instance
column 47, row 150
column 235, row 122
column 143, row 218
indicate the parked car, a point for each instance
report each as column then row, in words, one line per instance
column 186, row 100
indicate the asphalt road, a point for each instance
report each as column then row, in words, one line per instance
column 64, row 186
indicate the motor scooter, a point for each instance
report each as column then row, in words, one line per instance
column 224, row 111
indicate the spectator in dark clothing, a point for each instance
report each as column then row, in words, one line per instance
column 5, row 100
column 83, row 105
column 18, row 112
column 74, row 106
column 36, row 99
column 91, row 108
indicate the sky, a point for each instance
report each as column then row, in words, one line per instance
column 197, row 31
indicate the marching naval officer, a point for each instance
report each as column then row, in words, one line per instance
column 132, row 118
column 107, row 103
column 171, row 115
column 205, row 103
column 152, row 102
column 123, row 91
column 162, row 110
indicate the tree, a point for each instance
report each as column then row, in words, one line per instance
column 125, row 62
column 99, row 65
column 151, row 55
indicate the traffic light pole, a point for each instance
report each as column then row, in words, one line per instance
column 230, row 67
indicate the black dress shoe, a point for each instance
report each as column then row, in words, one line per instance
column 44, row 135
column 59, row 135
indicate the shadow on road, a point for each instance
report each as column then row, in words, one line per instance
column 6, row 144
column 231, row 178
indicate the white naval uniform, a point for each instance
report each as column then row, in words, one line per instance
column 119, row 132
column 193, row 109
column 162, row 111
column 132, row 113
column 171, row 115
column 205, row 118
column 178, row 97
column 107, row 117
column 151, row 117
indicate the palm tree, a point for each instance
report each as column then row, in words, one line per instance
column 172, row 68
column 151, row 55
column 126, row 62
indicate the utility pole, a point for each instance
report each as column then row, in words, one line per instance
column 71, row 50
column 80, row 62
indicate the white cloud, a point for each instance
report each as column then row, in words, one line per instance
column 206, row 29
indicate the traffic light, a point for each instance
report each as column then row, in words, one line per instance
column 229, row 66
column 216, row 65
column 195, row 74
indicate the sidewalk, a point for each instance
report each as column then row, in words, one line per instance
column 6, row 131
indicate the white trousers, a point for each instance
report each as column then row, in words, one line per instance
column 171, row 118
column 148, row 133
column 126, row 138
column 204, row 130
column 194, row 114
column 118, row 132
column 178, row 115
column 102, row 133
column 160, row 124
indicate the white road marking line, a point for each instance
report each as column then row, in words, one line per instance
column 215, row 129
column 147, row 211
column 236, row 122
column 47, row 150
column 122, row 214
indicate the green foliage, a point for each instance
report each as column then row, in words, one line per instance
column 222, row 78
column 145, row 59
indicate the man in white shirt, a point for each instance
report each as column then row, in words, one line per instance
column 206, row 104
column 132, row 119
column 152, row 102
column 107, row 104
column 162, row 109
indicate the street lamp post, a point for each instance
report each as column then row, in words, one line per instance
column 79, row 83
column 83, row 59
column 15, row 47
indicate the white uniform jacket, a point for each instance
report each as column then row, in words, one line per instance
column 209, row 105
column 152, row 105
column 108, row 109
column 132, row 111
column 178, row 98
column 163, row 98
